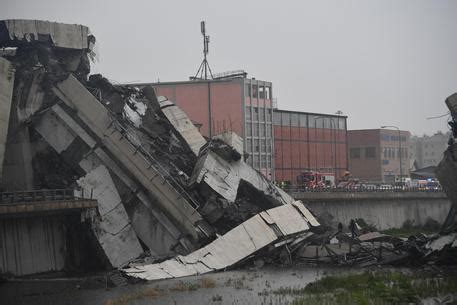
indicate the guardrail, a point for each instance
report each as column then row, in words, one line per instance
column 40, row 195
column 360, row 190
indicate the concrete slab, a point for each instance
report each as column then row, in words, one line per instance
column 114, row 231
column 72, row 36
column 237, row 244
column 54, row 131
column 182, row 124
column 6, row 95
column 175, row 202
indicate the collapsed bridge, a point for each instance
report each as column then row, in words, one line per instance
column 161, row 188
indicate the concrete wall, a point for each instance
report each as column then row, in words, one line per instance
column 384, row 210
column 32, row 245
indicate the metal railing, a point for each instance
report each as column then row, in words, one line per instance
column 38, row 195
column 153, row 163
column 297, row 189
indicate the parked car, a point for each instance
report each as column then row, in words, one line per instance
column 385, row 187
column 369, row 187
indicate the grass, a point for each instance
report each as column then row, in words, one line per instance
column 371, row 288
column 431, row 226
column 407, row 232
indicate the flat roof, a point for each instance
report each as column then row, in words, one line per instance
column 313, row 113
column 200, row 81
column 379, row 129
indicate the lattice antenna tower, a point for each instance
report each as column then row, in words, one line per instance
column 204, row 70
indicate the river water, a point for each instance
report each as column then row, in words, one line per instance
column 251, row 286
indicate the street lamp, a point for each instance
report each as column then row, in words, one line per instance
column 399, row 145
column 334, row 140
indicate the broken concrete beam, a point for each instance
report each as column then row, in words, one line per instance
column 176, row 203
column 14, row 32
column 233, row 140
column 113, row 231
column 224, row 178
column 239, row 243
column 218, row 174
column 147, row 221
column 183, row 126
column 6, row 95
column 54, row 131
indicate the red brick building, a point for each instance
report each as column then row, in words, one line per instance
column 306, row 141
column 374, row 154
column 245, row 106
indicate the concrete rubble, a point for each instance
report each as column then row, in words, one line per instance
column 171, row 203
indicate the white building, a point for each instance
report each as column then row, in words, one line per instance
column 427, row 150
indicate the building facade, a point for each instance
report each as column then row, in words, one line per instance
column 239, row 104
column 375, row 154
column 427, row 151
column 246, row 106
column 306, row 141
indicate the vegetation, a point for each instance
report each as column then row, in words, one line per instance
column 372, row 288
column 409, row 228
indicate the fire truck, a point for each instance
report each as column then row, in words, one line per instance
column 314, row 179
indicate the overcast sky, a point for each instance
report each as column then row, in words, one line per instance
column 380, row 62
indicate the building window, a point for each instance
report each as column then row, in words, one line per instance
column 385, row 152
column 256, row 161
column 268, row 119
column 294, row 119
column 341, row 123
column 285, row 119
column 254, row 91
column 249, row 145
column 262, row 131
column 354, row 153
column 370, row 152
column 268, row 92
column 255, row 130
column 261, row 92
column 311, row 122
column 262, row 114
column 277, row 118
column 268, row 145
column 247, row 89
column 327, row 123
column 248, row 113
column 303, row 120
column 262, row 146
column 256, row 145
column 248, row 130
column 255, row 116
column 385, row 137
column 268, row 129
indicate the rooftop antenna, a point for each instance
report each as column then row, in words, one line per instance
column 204, row 66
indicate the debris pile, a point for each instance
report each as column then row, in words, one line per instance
column 162, row 189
